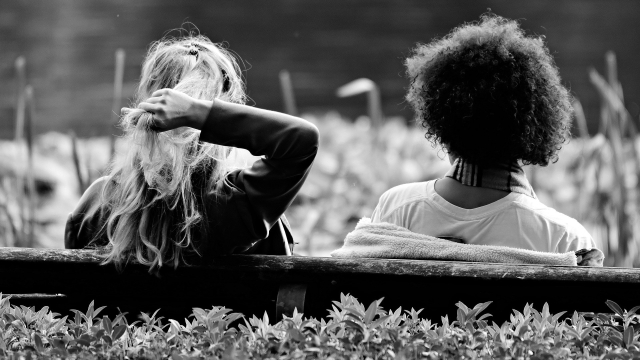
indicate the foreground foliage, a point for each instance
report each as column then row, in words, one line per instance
column 352, row 331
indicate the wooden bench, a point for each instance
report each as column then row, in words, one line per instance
column 253, row 284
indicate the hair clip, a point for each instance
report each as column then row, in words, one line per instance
column 226, row 85
column 194, row 49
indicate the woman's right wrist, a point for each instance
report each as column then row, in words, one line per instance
column 199, row 113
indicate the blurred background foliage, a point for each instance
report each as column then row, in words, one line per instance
column 59, row 55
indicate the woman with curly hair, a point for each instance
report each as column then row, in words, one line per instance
column 174, row 197
column 492, row 98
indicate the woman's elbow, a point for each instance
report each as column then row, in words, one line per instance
column 308, row 136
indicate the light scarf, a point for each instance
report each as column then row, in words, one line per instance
column 389, row 241
column 507, row 177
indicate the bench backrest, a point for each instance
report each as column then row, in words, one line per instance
column 253, row 284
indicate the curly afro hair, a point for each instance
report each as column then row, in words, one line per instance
column 490, row 94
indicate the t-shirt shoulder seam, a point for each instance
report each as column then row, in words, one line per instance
column 546, row 217
column 404, row 203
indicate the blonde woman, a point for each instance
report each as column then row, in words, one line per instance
column 173, row 198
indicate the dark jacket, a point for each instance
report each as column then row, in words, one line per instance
column 244, row 211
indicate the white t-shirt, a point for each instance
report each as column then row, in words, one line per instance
column 516, row 220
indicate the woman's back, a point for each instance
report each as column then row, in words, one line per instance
column 515, row 220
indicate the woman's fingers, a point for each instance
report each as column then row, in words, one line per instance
column 152, row 108
column 159, row 93
column 156, row 100
column 170, row 108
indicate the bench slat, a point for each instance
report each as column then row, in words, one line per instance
column 251, row 283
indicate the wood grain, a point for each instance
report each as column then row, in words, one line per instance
column 250, row 283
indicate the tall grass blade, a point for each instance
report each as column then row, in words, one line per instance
column 613, row 116
column 117, row 95
column 364, row 85
column 615, row 98
column 30, row 178
column 612, row 68
column 611, row 96
column 21, row 76
column 375, row 107
column 15, row 232
column 75, row 157
column 612, row 73
column 581, row 120
column 287, row 93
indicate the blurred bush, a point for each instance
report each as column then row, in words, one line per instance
column 355, row 165
column 594, row 181
column 57, row 187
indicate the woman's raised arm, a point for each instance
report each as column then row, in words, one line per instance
column 288, row 143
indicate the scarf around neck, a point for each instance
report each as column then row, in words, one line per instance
column 506, row 177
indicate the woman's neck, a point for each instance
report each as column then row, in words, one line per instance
column 467, row 197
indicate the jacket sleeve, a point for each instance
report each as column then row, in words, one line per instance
column 289, row 145
column 86, row 221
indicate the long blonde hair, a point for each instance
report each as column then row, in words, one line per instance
column 154, row 192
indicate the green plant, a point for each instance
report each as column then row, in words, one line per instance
column 351, row 331
column 596, row 179
column 17, row 187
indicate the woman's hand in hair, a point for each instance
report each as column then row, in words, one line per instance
column 173, row 109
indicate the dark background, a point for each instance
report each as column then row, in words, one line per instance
column 70, row 45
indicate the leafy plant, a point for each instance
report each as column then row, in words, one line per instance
column 351, row 331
